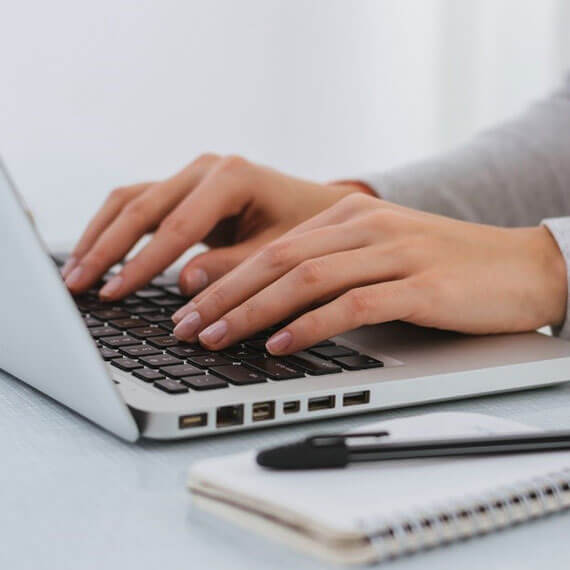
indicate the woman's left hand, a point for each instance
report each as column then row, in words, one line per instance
column 366, row 261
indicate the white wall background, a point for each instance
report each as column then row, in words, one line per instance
column 96, row 94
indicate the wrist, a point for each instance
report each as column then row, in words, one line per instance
column 552, row 266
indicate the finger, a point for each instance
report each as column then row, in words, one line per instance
column 219, row 195
column 210, row 266
column 114, row 203
column 307, row 284
column 261, row 270
column 384, row 302
column 139, row 216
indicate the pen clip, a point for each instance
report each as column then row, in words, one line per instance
column 333, row 439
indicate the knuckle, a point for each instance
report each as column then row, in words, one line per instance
column 119, row 194
column 277, row 255
column 359, row 305
column 136, row 210
column 216, row 301
column 205, row 159
column 310, row 272
column 233, row 164
column 175, row 226
column 249, row 313
column 356, row 201
column 97, row 259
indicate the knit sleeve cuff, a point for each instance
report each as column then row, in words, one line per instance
column 560, row 230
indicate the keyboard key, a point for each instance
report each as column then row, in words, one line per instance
column 238, row 374
column 125, row 364
column 109, row 353
column 163, row 341
column 148, row 375
column 160, row 360
column 358, row 362
column 165, row 280
column 168, row 302
column 110, row 314
column 208, row 360
column 170, row 386
column 204, row 382
column 332, row 351
column 156, row 317
column 141, row 309
column 88, row 303
column 313, row 364
column 275, row 368
column 181, row 370
column 140, row 350
column 130, row 301
column 184, row 350
column 149, row 293
column 258, row 344
column 174, row 290
column 324, row 343
column 167, row 325
column 91, row 322
column 121, row 340
column 127, row 323
column 239, row 352
column 100, row 332
column 146, row 332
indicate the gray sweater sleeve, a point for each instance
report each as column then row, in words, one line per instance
column 517, row 174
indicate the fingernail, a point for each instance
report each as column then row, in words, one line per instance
column 177, row 316
column 195, row 280
column 74, row 276
column 214, row 333
column 279, row 342
column 187, row 327
column 68, row 266
column 111, row 287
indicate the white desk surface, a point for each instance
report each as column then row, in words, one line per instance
column 74, row 497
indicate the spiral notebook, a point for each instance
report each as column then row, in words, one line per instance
column 372, row 511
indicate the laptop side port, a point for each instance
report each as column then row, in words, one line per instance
column 192, row 420
column 261, row 411
column 227, row 416
column 321, row 403
column 291, row 407
column 356, row 398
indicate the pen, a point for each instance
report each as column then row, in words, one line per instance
column 334, row 450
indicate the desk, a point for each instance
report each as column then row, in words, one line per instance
column 75, row 497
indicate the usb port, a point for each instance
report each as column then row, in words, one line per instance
column 192, row 420
column 263, row 411
column 291, row 407
column 227, row 416
column 356, row 398
column 321, row 403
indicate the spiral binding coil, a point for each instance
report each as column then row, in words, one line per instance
column 470, row 517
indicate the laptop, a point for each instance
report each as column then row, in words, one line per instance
column 118, row 364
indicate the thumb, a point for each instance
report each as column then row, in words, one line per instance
column 207, row 267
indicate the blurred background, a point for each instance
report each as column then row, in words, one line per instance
column 99, row 94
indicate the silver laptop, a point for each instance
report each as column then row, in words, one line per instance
column 119, row 365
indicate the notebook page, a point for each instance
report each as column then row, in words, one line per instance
column 338, row 498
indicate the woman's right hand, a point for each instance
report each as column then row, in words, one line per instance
column 229, row 203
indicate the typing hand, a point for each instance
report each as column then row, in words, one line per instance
column 365, row 261
column 227, row 202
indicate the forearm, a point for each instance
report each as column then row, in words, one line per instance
column 514, row 175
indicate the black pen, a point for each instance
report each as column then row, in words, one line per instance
column 333, row 450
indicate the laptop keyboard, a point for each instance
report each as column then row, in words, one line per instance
column 135, row 336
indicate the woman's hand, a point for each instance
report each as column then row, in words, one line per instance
column 366, row 261
column 228, row 203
